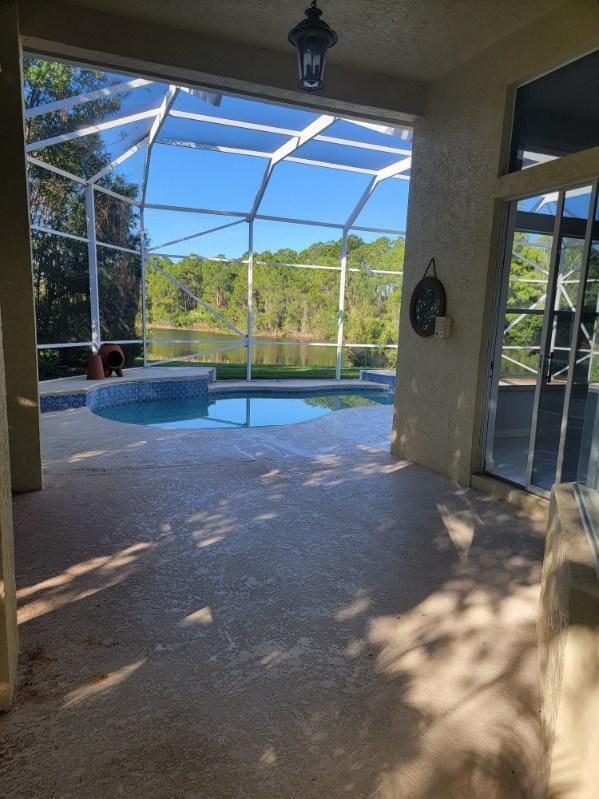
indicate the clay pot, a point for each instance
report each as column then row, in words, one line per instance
column 113, row 359
column 95, row 367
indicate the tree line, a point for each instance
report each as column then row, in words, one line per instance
column 288, row 302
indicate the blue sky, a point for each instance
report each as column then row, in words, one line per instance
column 196, row 178
column 224, row 181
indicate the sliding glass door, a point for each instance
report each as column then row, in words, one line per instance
column 542, row 371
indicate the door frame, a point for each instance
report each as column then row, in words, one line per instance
column 584, row 271
column 490, row 397
column 548, row 312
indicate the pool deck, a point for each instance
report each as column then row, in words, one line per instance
column 276, row 613
column 72, row 385
column 75, row 385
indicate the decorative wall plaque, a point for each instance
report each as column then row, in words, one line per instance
column 427, row 302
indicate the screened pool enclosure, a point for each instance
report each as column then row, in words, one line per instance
column 299, row 218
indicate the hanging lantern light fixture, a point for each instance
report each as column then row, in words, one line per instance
column 312, row 37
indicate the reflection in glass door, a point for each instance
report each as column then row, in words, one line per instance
column 546, row 334
column 515, row 366
column 573, row 209
column 577, row 460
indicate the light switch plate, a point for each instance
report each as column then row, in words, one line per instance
column 442, row 327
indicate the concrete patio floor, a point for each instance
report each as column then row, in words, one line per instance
column 277, row 613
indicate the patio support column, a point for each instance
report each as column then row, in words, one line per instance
column 16, row 279
column 8, row 612
column 250, row 319
column 341, row 309
column 92, row 257
column 144, row 308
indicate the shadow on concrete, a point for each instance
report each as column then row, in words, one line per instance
column 338, row 625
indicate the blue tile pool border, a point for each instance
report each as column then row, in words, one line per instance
column 104, row 396
column 374, row 376
column 62, row 402
column 99, row 397
column 220, row 392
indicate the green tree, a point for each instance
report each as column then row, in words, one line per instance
column 61, row 281
column 290, row 303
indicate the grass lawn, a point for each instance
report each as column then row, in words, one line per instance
column 236, row 371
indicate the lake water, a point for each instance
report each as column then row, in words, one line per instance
column 282, row 355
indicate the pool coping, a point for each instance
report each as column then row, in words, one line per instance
column 79, row 384
column 224, row 387
column 382, row 376
column 144, row 384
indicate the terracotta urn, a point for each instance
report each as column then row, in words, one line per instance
column 95, row 367
column 113, row 359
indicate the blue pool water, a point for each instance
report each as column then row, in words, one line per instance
column 253, row 410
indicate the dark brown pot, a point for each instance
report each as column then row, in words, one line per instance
column 95, row 368
column 113, row 359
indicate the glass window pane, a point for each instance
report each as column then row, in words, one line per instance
column 527, row 283
column 582, row 436
column 557, row 114
column 520, row 329
column 555, row 362
column 521, row 345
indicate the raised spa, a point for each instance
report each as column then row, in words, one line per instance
column 249, row 409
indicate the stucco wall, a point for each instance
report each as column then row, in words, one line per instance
column 16, row 279
column 8, row 624
column 460, row 148
column 182, row 55
column 569, row 649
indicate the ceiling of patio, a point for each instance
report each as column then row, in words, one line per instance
column 409, row 38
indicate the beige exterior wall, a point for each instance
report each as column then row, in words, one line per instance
column 455, row 215
column 187, row 56
column 569, row 649
column 8, row 620
column 16, row 280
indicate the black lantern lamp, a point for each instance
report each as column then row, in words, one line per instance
column 312, row 37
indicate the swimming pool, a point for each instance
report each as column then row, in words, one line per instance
column 249, row 409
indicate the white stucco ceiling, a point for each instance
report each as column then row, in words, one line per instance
column 414, row 38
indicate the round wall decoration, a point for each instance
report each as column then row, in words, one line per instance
column 427, row 302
